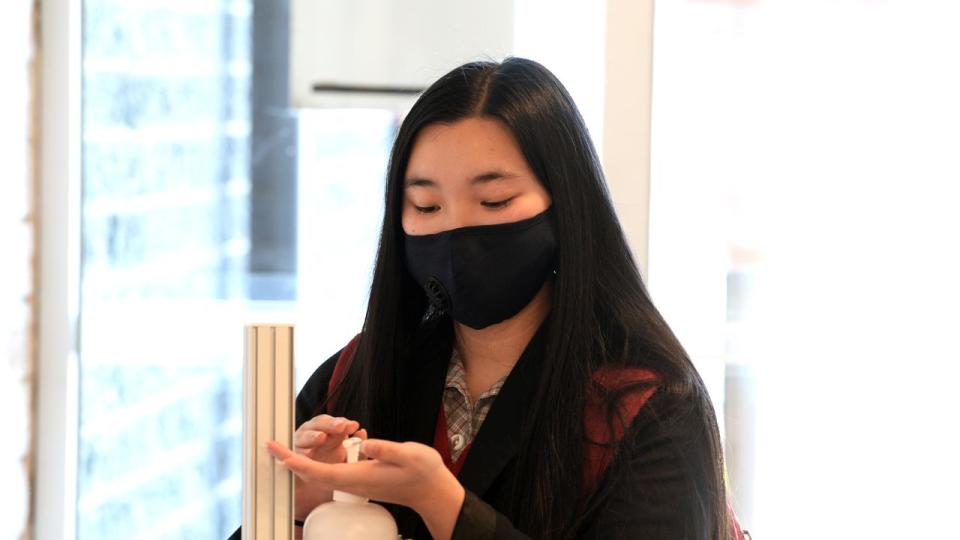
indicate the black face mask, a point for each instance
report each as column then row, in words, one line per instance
column 485, row 274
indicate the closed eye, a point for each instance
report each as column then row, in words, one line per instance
column 497, row 204
column 426, row 209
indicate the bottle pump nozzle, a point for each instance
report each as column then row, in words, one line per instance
column 352, row 445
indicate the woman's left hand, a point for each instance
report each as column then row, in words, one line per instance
column 410, row 474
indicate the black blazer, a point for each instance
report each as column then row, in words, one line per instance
column 490, row 466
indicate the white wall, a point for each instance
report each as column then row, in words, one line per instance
column 626, row 153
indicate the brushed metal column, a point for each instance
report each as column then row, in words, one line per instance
column 267, row 414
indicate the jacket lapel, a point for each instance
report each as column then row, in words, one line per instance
column 501, row 433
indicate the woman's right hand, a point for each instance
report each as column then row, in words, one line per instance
column 321, row 439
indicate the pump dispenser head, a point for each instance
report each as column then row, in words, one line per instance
column 352, row 445
column 349, row 516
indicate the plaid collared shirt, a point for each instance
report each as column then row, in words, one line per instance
column 464, row 418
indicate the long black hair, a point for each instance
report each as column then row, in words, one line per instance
column 600, row 314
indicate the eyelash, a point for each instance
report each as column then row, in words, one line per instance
column 496, row 205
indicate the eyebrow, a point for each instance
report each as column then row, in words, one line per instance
column 483, row 178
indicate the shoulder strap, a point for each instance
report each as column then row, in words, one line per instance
column 339, row 370
column 601, row 441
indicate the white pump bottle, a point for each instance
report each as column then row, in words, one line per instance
column 349, row 516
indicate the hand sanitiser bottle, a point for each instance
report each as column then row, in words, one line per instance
column 349, row 516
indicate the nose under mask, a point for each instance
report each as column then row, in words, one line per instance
column 484, row 274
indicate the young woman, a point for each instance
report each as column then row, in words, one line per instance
column 512, row 374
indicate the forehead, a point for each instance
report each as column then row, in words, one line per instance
column 463, row 147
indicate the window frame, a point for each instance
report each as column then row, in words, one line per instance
column 58, row 264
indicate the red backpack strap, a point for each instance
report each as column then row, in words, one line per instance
column 602, row 443
column 339, row 370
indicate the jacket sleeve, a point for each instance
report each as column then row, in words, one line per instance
column 480, row 521
column 313, row 393
column 649, row 498
column 651, row 495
